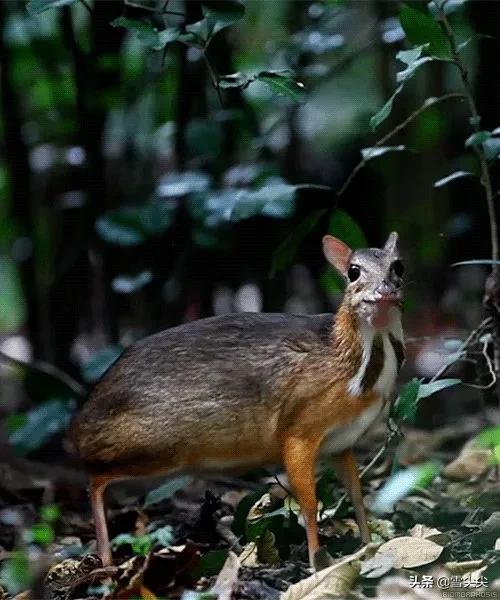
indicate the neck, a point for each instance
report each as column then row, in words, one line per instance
column 361, row 350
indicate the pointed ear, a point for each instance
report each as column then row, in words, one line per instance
column 391, row 244
column 337, row 253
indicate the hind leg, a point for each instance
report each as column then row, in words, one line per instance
column 97, row 488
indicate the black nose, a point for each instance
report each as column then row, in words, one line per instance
column 386, row 288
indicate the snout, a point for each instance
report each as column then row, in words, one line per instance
column 388, row 293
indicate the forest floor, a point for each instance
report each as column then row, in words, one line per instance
column 232, row 538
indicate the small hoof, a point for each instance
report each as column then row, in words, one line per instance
column 322, row 559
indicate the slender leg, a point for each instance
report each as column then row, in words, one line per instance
column 97, row 488
column 346, row 468
column 299, row 457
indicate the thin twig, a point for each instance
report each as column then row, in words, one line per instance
column 414, row 115
column 47, row 369
column 214, row 78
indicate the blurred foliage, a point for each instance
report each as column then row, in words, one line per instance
column 167, row 155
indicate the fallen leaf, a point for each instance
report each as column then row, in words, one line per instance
column 422, row 531
column 333, row 582
column 459, row 568
column 264, row 505
column 411, row 552
column 227, row 578
column 266, row 548
column 471, row 462
column 248, row 556
column 378, row 565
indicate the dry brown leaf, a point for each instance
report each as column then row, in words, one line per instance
column 333, row 582
column 411, row 552
column 378, row 565
column 471, row 462
column 227, row 578
column 422, row 531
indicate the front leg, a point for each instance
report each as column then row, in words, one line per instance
column 299, row 458
column 347, row 470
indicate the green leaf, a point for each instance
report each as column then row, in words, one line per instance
column 165, row 491
column 452, row 177
column 405, row 407
column 210, row 564
column 162, row 536
column 148, row 35
column 95, row 367
column 121, row 227
column 15, row 572
column 345, row 228
column 428, row 389
column 422, row 28
column 413, row 59
column 41, row 533
column 376, row 151
column 235, row 80
column 239, row 525
column 35, row 7
column 274, row 199
column 42, row 423
column 130, row 226
column 222, row 13
column 142, row 544
column 217, row 15
column 121, row 539
column 485, row 261
column 385, row 111
column 477, row 138
column 50, row 513
column 129, row 284
column 491, row 148
column 406, row 74
column 450, row 6
column 282, row 83
column 488, row 438
column 402, row 483
column 285, row 253
column 177, row 185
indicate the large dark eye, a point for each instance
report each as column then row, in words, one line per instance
column 398, row 268
column 353, row 272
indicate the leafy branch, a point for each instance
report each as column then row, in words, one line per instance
column 371, row 152
column 475, row 121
